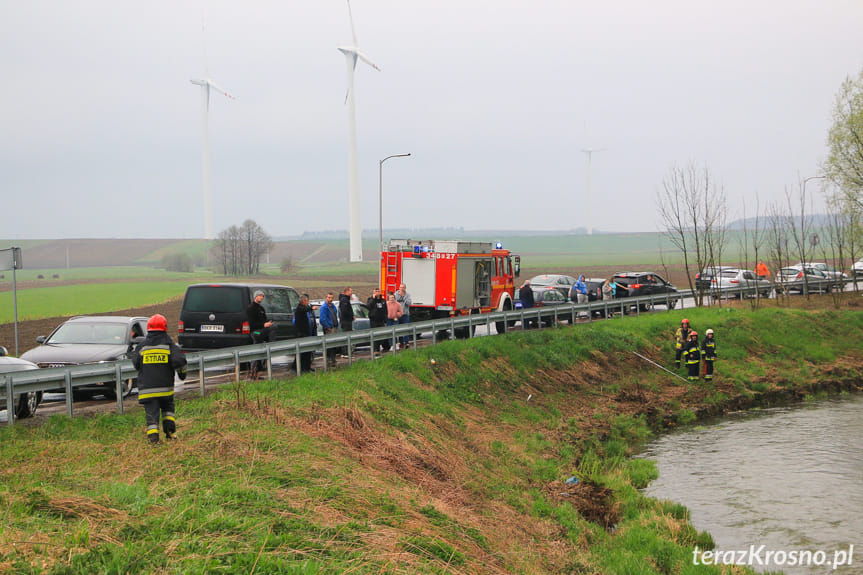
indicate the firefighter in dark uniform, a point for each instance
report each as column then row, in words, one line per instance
column 681, row 338
column 156, row 359
column 692, row 353
column 262, row 329
column 708, row 353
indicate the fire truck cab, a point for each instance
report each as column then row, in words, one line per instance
column 451, row 277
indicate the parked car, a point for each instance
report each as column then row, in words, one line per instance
column 857, row 268
column 90, row 339
column 830, row 272
column 792, row 280
column 544, row 296
column 738, row 283
column 214, row 315
column 561, row 283
column 706, row 278
column 361, row 314
column 23, row 404
column 639, row 284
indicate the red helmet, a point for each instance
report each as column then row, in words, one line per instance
column 684, row 320
column 157, row 323
column 693, row 334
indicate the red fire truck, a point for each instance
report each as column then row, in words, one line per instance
column 451, row 277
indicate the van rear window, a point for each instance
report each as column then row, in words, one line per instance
column 215, row 299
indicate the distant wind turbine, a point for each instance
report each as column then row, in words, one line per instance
column 352, row 53
column 206, row 85
column 590, row 152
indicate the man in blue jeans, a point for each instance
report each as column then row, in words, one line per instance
column 404, row 298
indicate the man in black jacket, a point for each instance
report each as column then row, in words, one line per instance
column 156, row 359
column 378, row 317
column 262, row 329
column 346, row 310
column 304, row 319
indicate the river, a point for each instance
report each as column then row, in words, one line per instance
column 777, row 481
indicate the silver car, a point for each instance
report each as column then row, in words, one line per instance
column 739, row 283
column 24, row 404
column 793, row 280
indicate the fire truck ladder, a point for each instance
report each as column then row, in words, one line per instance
column 391, row 260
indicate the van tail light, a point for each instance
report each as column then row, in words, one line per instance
column 697, row 276
column 246, row 329
column 180, row 327
column 636, row 286
column 799, row 275
column 713, row 280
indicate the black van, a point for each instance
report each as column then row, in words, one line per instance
column 214, row 315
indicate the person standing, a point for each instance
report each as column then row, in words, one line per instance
column 681, row 337
column 609, row 289
column 525, row 296
column 762, row 271
column 304, row 319
column 329, row 318
column 394, row 314
column 579, row 290
column 404, row 298
column 378, row 317
column 262, row 329
column 693, row 356
column 157, row 358
column 346, row 310
column 708, row 353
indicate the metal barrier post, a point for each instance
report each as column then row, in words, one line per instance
column 269, row 362
column 118, row 386
column 201, row 373
column 10, row 400
column 299, row 369
column 68, row 386
column 236, row 366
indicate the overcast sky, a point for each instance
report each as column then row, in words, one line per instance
column 495, row 100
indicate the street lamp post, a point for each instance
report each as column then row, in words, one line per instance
column 381, row 200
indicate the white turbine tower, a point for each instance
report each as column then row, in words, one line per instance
column 206, row 85
column 352, row 53
column 590, row 152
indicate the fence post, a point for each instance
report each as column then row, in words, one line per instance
column 118, row 386
column 68, row 386
column 236, row 366
column 201, row 373
column 10, row 400
column 269, row 362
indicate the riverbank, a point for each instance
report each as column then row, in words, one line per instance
column 409, row 465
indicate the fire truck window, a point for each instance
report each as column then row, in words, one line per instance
column 496, row 267
column 508, row 266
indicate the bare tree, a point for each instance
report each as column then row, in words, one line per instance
column 693, row 211
column 776, row 238
column 239, row 249
column 257, row 243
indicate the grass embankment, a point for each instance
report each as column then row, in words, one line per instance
column 408, row 466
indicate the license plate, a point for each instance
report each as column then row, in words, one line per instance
column 212, row 328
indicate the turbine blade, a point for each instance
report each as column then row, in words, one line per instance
column 221, row 91
column 351, row 16
column 367, row 60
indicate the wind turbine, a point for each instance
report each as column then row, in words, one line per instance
column 352, row 54
column 590, row 152
column 206, row 85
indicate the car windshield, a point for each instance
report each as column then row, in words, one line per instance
column 95, row 332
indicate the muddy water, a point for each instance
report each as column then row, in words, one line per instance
column 788, row 479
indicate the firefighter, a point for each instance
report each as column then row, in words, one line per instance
column 692, row 353
column 681, row 337
column 708, row 353
column 156, row 359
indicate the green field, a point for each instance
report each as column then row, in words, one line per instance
column 87, row 298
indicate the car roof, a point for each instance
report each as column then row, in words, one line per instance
column 549, row 277
column 238, row 284
column 106, row 318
